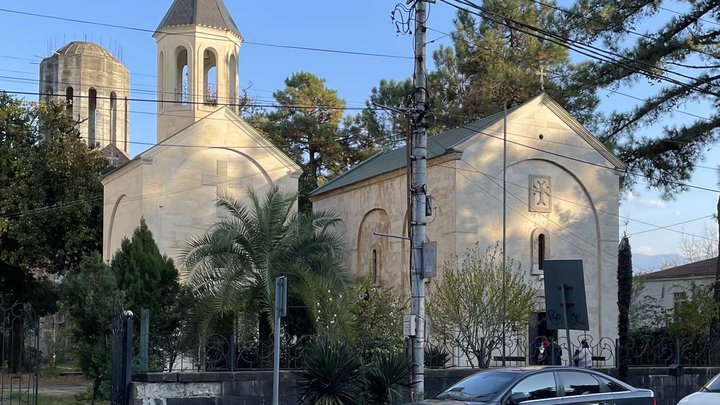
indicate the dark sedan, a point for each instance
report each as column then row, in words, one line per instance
column 543, row 386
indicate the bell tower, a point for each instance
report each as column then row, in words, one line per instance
column 197, row 53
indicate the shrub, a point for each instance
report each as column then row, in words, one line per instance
column 331, row 374
column 436, row 356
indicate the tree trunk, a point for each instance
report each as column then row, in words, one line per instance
column 624, row 277
column 715, row 326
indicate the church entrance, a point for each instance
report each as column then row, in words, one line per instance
column 537, row 333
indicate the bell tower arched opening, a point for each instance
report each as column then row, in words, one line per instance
column 69, row 101
column 92, row 117
column 182, row 74
column 210, row 77
column 232, row 82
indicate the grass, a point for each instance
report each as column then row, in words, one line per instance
column 45, row 400
column 47, row 371
column 50, row 400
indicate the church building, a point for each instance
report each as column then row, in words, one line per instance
column 562, row 202
column 203, row 147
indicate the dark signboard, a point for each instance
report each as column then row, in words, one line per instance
column 565, row 276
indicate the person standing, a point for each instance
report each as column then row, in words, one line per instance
column 585, row 355
column 555, row 353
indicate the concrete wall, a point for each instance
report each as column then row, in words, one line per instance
column 664, row 290
column 255, row 387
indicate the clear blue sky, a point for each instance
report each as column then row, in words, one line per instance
column 357, row 26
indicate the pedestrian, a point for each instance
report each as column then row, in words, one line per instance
column 555, row 353
column 584, row 358
column 543, row 352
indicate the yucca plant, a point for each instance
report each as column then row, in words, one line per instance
column 436, row 356
column 386, row 376
column 331, row 375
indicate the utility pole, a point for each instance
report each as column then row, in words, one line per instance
column 418, row 193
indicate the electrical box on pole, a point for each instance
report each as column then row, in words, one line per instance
column 429, row 259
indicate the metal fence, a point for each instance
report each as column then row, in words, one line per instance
column 20, row 356
column 644, row 351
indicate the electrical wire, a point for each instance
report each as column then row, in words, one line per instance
column 221, row 37
column 581, row 48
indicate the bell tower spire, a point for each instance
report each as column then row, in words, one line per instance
column 197, row 49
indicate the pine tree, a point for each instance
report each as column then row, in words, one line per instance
column 679, row 60
column 314, row 135
column 624, row 277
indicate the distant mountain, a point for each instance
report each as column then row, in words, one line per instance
column 645, row 263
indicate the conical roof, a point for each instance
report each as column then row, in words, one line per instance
column 208, row 13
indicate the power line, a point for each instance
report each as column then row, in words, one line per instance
column 667, row 227
column 481, row 131
column 582, row 48
column 147, row 100
column 580, row 204
column 151, row 31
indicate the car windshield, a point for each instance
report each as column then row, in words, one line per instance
column 479, row 387
column 713, row 385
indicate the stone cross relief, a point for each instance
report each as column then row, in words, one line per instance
column 540, row 199
column 222, row 182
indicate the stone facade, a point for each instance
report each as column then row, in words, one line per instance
column 574, row 207
column 175, row 184
column 96, row 86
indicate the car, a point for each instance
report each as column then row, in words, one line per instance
column 709, row 394
column 543, row 385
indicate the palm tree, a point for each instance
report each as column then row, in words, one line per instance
column 232, row 267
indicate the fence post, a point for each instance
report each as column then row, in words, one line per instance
column 144, row 340
column 128, row 355
column 121, row 357
column 617, row 351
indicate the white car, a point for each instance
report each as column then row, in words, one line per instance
column 709, row 394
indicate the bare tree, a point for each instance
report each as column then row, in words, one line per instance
column 700, row 247
column 468, row 303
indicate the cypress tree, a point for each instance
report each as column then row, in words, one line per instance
column 624, row 276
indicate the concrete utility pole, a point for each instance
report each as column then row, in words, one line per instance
column 418, row 192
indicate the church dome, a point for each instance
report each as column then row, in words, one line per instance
column 84, row 49
column 207, row 13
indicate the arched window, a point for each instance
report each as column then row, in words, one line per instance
column 232, row 82
column 210, row 77
column 539, row 248
column 113, row 118
column 541, row 251
column 375, row 266
column 182, row 73
column 48, row 94
column 69, row 101
column 161, row 79
column 92, row 116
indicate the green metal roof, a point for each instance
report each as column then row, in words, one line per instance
column 388, row 161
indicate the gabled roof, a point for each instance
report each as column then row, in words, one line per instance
column 208, row 13
column 227, row 114
column 447, row 142
column 703, row 268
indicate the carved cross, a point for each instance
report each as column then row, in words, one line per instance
column 222, row 182
column 541, row 189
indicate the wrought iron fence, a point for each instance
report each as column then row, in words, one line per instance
column 651, row 350
column 231, row 353
column 20, row 356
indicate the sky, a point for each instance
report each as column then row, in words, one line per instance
column 330, row 24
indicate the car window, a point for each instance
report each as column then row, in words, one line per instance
column 612, row 385
column 576, row 383
column 537, row 386
column 713, row 385
column 481, row 386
